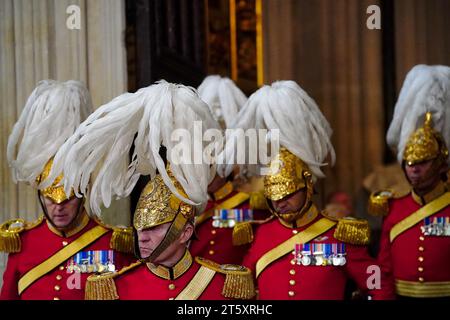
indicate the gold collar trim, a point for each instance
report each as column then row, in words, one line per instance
column 305, row 219
column 83, row 220
column 174, row 272
column 438, row 191
column 224, row 191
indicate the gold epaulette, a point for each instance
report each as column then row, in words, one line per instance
column 242, row 233
column 102, row 286
column 238, row 279
column 10, row 233
column 122, row 238
column 379, row 202
column 258, row 201
column 352, row 231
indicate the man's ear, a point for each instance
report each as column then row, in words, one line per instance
column 187, row 233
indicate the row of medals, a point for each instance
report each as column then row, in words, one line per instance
column 90, row 268
column 435, row 229
column 307, row 259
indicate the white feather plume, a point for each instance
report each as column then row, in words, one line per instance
column 146, row 120
column 303, row 129
column 50, row 116
column 425, row 89
column 223, row 97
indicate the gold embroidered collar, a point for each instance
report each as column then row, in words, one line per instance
column 174, row 272
column 223, row 191
column 439, row 190
column 83, row 220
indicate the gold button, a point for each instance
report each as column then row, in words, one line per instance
column 65, row 243
column 421, row 248
column 294, row 231
column 420, row 279
column 171, row 286
column 61, row 268
column 292, row 272
column 57, row 288
column 292, row 282
column 421, row 259
column 420, row 269
column 58, row 277
column 293, row 261
column 213, row 231
column 55, row 298
column 211, row 252
column 293, row 253
column 421, row 238
column 291, row 293
column 212, row 242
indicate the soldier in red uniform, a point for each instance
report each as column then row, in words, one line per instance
column 164, row 218
column 415, row 238
column 303, row 253
column 225, row 228
column 164, row 227
column 52, row 257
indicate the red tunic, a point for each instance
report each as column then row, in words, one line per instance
column 217, row 243
column 283, row 279
column 413, row 256
column 40, row 243
column 141, row 284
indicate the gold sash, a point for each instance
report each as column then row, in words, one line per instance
column 313, row 231
column 426, row 211
column 230, row 203
column 59, row 257
column 197, row 285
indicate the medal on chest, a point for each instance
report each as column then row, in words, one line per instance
column 227, row 218
column 98, row 261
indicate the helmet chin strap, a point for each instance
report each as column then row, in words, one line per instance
column 71, row 225
column 172, row 234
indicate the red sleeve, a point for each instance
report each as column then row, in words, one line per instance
column 358, row 269
column 384, row 255
column 11, row 277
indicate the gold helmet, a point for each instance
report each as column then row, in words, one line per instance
column 158, row 205
column 55, row 192
column 287, row 175
column 425, row 144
